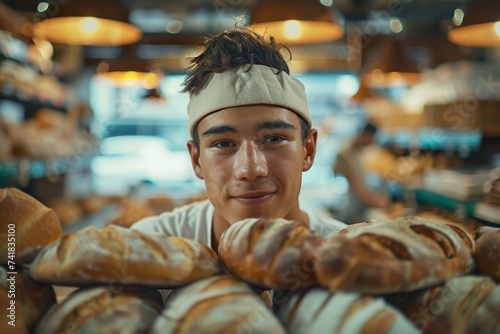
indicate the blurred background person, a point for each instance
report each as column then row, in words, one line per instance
column 361, row 197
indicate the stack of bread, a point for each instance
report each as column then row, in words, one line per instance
column 405, row 275
column 49, row 134
column 115, row 272
column 26, row 226
column 351, row 282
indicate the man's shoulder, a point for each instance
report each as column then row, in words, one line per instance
column 179, row 221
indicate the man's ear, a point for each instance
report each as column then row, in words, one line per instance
column 195, row 159
column 309, row 149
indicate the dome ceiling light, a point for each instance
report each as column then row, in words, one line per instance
column 90, row 22
column 297, row 21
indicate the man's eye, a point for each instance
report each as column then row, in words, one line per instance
column 223, row 144
column 274, row 139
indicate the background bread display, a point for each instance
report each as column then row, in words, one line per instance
column 265, row 252
column 117, row 254
column 216, row 305
column 319, row 311
column 31, row 300
column 103, row 310
column 394, row 255
column 26, row 222
column 463, row 305
column 487, row 252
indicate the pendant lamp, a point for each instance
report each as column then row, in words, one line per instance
column 393, row 67
column 122, row 74
column 296, row 21
column 479, row 26
column 85, row 22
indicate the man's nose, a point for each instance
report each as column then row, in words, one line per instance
column 250, row 162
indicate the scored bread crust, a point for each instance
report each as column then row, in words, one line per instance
column 271, row 252
column 220, row 304
column 397, row 255
column 462, row 305
column 36, row 226
column 487, row 252
column 121, row 256
column 318, row 310
column 104, row 310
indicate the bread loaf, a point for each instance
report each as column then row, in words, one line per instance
column 30, row 299
column 271, row 253
column 319, row 311
column 487, row 252
column 103, row 310
column 216, row 305
column 484, row 229
column 27, row 223
column 93, row 204
column 121, row 256
column 394, row 255
column 68, row 211
column 131, row 211
column 463, row 305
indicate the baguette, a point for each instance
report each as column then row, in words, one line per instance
column 319, row 311
column 487, row 252
column 103, row 310
column 27, row 223
column 121, row 256
column 220, row 304
column 397, row 255
column 270, row 253
column 463, row 305
column 31, row 299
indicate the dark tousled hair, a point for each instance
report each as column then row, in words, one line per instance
column 230, row 49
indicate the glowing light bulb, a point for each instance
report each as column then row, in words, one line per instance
column 497, row 28
column 89, row 25
column 293, row 29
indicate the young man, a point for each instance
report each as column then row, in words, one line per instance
column 251, row 140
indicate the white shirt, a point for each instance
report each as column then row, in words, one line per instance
column 194, row 221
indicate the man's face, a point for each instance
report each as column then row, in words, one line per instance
column 252, row 159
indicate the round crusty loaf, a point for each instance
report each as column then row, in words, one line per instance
column 31, row 299
column 462, row 305
column 28, row 223
column 271, row 252
column 121, row 256
column 487, row 253
column 394, row 255
column 220, row 304
column 104, row 310
column 319, row 311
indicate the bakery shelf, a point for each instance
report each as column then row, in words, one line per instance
column 487, row 212
column 26, row 169
column 443, row 201
column 32, row 106
column 432, row 139
column 433, row 198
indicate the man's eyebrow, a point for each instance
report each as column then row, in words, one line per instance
column 274, row 125
column 218, row 129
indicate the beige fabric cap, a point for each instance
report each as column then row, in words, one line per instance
column 245, row 85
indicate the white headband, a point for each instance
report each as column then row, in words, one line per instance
column 245, row 85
